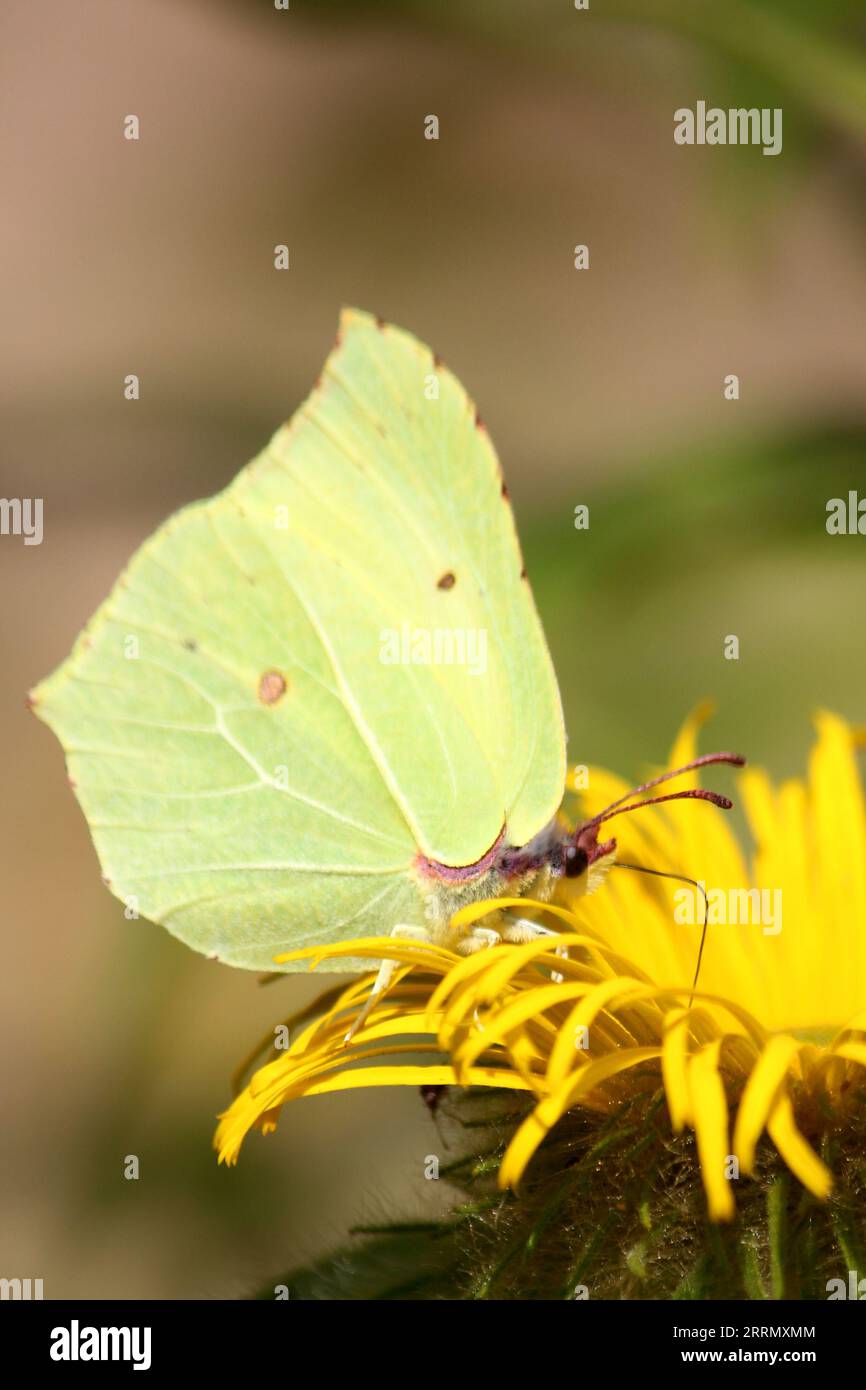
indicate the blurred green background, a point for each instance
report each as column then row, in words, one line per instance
column 602, row 387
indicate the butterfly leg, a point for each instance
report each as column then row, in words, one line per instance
column 518, row 930
column 481, row 939
column 386, row 973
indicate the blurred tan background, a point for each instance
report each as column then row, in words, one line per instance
column 605, row 387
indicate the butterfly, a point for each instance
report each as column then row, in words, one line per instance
column 320, row 704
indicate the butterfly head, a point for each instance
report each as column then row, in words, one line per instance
column 582, row 849
column 581, row 853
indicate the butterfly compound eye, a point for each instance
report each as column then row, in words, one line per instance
column 576, row 860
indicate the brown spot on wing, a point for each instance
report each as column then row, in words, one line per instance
column 447, row 581
column 272, row 686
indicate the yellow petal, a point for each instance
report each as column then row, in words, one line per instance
column 675, row 1072
column 852, row 1052
column 759, row 1097
column 417, row 1076
column 536, row 1126
column 800, row 1158
column 565, row 1050
column 709, row 1108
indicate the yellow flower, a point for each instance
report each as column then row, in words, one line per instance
column 774, row 1036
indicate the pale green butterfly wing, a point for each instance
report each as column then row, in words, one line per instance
column 241, row 826
column 257, row 772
